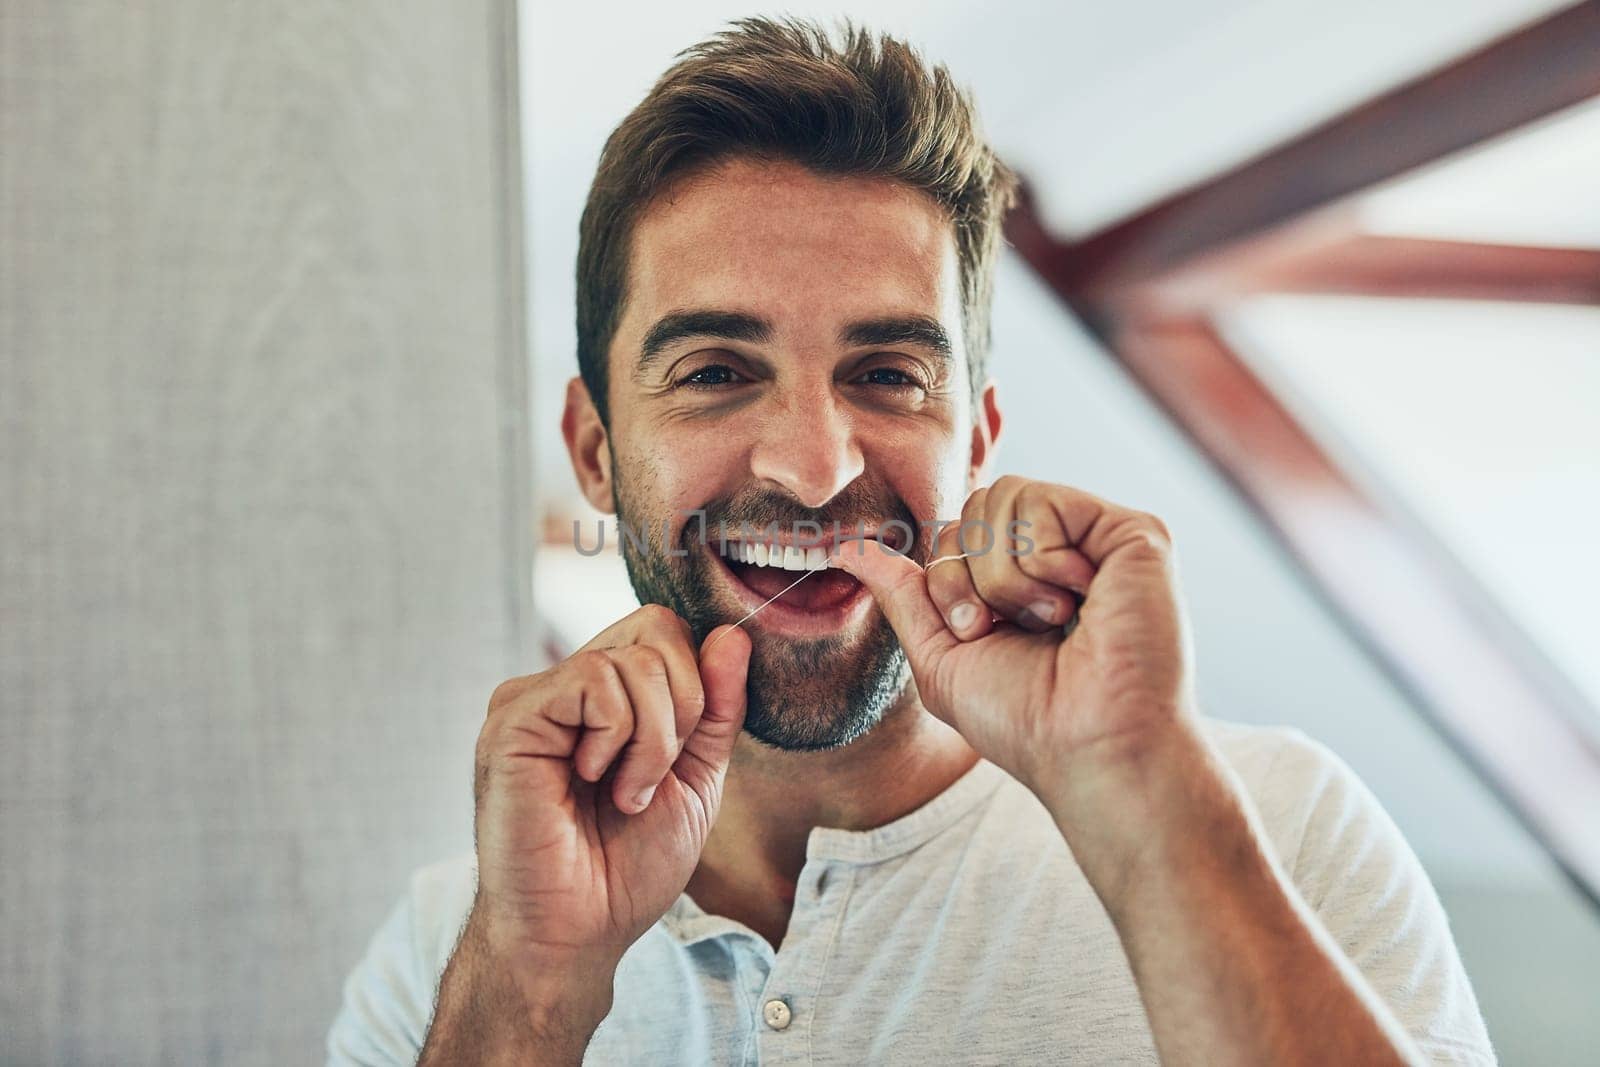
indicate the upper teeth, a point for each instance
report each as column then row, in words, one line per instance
column 788, row 557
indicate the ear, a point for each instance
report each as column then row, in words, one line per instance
column 589, row 447
column 985, row 435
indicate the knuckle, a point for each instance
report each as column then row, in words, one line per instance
column 946, row 585
column 1007, row 592
column 644, row 660
column 692, row 701
column 1034, row 565
column 1156, row 533
column 508, row 690
column 591, row 664
column 1011, row 483
column 1033, row 495
column 595, row 674
column 905, row 585
column 658, row 617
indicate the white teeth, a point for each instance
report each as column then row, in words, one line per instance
column 786, row 557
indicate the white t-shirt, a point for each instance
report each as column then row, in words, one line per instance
column 961, row 932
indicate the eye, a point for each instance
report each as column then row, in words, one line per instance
column 890, row 376
column 709, row 377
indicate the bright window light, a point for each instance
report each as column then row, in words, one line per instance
column 1536, row 186
column 1483, row 418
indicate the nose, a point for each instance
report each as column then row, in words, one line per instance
column 808, row 448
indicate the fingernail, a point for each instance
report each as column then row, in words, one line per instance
column 963, row 615
column 641, row 799
column 1045, row 610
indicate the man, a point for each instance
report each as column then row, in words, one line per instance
column 948, row 799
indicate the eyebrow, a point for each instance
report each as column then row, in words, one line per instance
column 682, row 325
column 918, row 330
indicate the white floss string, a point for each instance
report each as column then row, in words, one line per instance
column 925, row 567
column 752, row 615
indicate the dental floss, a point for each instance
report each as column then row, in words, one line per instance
column 752, row 615
column 1070, row 625
column 925, row 568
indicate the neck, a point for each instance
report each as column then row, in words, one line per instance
column 773, row 799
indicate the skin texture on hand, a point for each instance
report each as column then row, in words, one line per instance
column 985, row 637
column 567, row 861
column 598, row 782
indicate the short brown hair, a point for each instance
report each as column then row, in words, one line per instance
column 784, row 89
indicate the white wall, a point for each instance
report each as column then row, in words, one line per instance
column 263, row 498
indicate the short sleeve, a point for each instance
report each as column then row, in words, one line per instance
column 389, row 997
column 387, row 1003
column 1356, row 871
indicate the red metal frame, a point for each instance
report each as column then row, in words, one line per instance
column 1277, row 224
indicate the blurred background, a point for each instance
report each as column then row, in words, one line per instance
column 286, row 305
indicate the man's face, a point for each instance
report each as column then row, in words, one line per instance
column 791, row 351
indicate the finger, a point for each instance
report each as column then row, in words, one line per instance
column 1029, row 602
column 1098, row 529
column 653, row 746
column 536, row 720
column 901, row 591
column 671, row 636
column 950, row 586
column 603, row 711
column 724, row 671
column 1050, row 556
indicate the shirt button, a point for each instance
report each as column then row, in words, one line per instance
column 777, row 1014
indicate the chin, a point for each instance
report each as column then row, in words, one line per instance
column 810, row 696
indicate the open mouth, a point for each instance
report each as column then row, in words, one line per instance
column 825, row 602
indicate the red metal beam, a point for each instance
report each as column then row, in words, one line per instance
column 1316, row 258
column 1508, row 83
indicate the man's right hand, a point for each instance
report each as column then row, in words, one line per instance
column 598, row 782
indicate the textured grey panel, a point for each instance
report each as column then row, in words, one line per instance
column 263, row 502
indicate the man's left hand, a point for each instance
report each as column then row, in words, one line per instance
column 987, row 635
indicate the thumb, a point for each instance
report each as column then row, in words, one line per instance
column 900, row 587
column 723, row 672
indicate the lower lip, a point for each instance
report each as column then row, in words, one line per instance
column 779, row 617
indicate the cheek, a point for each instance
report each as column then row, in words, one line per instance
column 679, row 467
column 927, row 470
column 954, row 469
column 952, row 487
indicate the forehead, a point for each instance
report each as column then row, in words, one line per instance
column 799, row 248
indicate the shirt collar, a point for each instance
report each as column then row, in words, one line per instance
column 910, row 830
column 689, row 923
